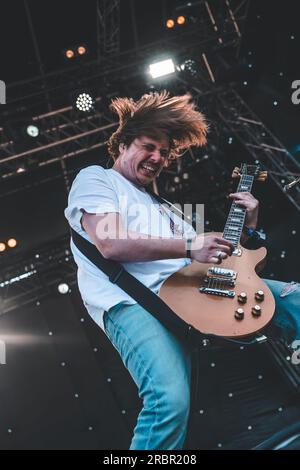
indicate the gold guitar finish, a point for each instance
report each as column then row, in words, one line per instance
column 216, row 314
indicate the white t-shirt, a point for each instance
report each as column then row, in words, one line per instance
column 96, row 190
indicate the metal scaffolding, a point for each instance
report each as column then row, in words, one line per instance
column 37, row 275
column 108, row 28
column 202, row 34
column 262, row 145
column 64, row 133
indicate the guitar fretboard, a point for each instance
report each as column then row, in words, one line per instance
column 236, row 217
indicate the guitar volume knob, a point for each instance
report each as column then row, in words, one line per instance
column 259, row 295
column 239, row 314
column 242, row 298
column 256, row 311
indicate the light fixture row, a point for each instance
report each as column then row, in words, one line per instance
column 11, row 243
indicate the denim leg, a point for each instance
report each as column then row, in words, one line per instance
column 160, row 366
column 286, row 321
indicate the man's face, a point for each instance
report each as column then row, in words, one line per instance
column 142, row 161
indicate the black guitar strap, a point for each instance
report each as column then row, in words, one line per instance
column 139, row 292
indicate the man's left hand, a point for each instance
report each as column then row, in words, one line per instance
column 248, row 202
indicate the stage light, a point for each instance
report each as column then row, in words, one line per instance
column 190, row 66
column 75, row 51
column 164, row 67
column 69, row 54
column 2, row 247
column 81, row 50
column 84, row 102
column 12, row 243
column 181, row 20
column 63, row 288
column 170, row 23
column 32, row 130
column 21, row 169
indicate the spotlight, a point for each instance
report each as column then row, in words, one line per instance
column 81, row 50
column 2, row 247
column 32, row 130
column 75, row 51
column 12, row 243
column 190, row 66
column 21, row 169
column 164, row 67
column 181, row 20
column 69, row 54
column 63, row 288
column 170, row 23
column 84, row 102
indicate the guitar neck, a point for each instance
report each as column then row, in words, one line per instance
column 235, row 221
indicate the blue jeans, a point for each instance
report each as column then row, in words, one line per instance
column 160, row 365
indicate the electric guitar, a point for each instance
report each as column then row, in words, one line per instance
column 229, row 299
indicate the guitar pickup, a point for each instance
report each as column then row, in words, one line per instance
column 222, row 272
column 221, row 280
column 221, row 292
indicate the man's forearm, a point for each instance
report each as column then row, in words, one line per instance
column 133, row 246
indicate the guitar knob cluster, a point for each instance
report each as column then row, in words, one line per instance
column 256, row 310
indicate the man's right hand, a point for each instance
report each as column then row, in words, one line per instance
column 210, row 249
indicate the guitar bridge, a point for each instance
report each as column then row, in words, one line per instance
column 220, row 292
column 223, row 273
column 221, row 280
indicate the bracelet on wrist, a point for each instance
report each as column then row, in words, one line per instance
column 188, row 247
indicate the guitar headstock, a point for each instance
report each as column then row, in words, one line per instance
column 252, row 170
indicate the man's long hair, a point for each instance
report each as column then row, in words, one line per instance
column 155, row 114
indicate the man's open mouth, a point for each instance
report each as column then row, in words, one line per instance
column 149, row 169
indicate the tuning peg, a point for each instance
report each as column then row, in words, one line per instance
column 236, row 172
column 263, row 175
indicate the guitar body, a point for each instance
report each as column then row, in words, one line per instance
column 216, row 314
